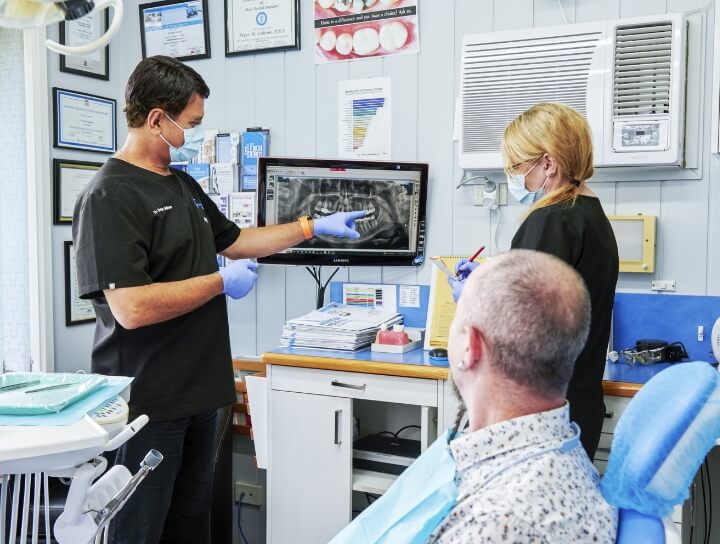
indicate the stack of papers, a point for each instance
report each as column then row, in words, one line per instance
column 337, row 327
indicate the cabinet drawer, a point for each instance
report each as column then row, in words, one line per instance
column 614, row 407
column 417, row 391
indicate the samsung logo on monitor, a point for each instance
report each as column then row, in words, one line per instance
column 339, row 260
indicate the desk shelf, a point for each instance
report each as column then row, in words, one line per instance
column 367, row 481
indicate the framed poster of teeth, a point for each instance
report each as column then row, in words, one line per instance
column 356, row 29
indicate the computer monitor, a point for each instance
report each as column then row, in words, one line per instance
column 392, row 193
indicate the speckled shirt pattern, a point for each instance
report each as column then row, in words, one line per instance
column 543, row 497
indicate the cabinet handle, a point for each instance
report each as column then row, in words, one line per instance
column 337, row 427
column 336, row 383
column 609, row 415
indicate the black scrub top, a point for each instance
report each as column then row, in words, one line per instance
column 133, row 227
column 580, row 234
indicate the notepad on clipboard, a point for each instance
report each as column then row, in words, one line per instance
column 441, row 306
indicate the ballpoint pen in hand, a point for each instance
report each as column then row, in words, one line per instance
column 471, row 259
column 476, row 254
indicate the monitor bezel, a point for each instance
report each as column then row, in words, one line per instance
column 346, row 259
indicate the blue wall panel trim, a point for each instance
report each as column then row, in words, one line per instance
column 674, row 318
column 413, row 317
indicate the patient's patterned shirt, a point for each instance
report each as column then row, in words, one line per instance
column 513, row 490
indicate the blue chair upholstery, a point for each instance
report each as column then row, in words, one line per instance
column 659, row 443
column 637, row 528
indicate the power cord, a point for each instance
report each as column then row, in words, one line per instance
column 396, row 433
column 406, row 427
column 316, row 272
column 497, row 230
column 239, row 509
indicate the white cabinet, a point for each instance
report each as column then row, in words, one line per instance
column 310, row 474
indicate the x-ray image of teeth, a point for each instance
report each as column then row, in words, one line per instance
column 388, row 207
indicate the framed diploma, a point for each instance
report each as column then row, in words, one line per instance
column 84, row 121
column 256, row 26
column 175, row 29
column 83, row 31
column 77, row 310
column 69, row 178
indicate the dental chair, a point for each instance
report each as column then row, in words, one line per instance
column 659, row 444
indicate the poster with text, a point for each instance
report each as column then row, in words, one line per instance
column 364, row 119
column 357, row 29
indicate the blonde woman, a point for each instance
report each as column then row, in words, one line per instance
column 548, row 159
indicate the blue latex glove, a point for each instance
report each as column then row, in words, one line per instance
column 457, row 287
column 464, row 268
column 340, row 224
column 239, row 278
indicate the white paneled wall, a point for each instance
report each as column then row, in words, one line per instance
column 14, row 300
column 298, row 102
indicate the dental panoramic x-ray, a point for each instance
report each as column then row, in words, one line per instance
column 387, row 206
column 392, row 194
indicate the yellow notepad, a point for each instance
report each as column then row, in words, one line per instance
column 441, row 306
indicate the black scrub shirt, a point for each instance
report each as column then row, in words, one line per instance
column 133, row 227
column 580, row 234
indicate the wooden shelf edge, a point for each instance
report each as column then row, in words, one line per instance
column 249, row 365
column 352, row 365
column 620, row 389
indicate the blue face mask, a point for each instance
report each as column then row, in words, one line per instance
column 191, row 146
column 516, row 186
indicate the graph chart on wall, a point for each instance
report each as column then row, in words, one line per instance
column 364, row 119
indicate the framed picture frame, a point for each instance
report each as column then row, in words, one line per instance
column 84, row 121
column 255, row 26
column 177, row 29
column 80, row 32
column 69, row 178
column 77, row 310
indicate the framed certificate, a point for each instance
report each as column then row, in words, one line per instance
column 175, row 29
column 77, row 310
column 256, row 26
column 69, row 178
column 84, row 121
column 81, row 32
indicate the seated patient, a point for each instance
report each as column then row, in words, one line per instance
column 522, row 476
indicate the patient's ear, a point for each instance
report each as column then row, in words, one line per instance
column 475, row 348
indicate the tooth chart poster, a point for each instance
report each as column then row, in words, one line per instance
column 364, row 119
column 355, row 29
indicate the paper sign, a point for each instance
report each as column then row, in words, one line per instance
column 409, row 296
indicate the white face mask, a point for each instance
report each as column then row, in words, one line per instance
column 517, row 188
column 193, row 138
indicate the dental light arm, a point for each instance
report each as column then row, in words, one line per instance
column 35, row 13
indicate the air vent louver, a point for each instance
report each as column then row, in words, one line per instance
column 642, row 70
column 500, row 80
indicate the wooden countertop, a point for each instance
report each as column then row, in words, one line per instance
column 415, row 366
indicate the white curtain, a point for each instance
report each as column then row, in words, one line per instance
column 14, row 266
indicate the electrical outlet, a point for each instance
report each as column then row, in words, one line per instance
column 663, row 285
column 251, row 493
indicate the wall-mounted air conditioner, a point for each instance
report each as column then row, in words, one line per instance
column 626, row 76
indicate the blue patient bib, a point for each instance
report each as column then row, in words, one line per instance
column 414, row 505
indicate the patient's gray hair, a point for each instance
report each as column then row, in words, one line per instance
column 534, row 313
